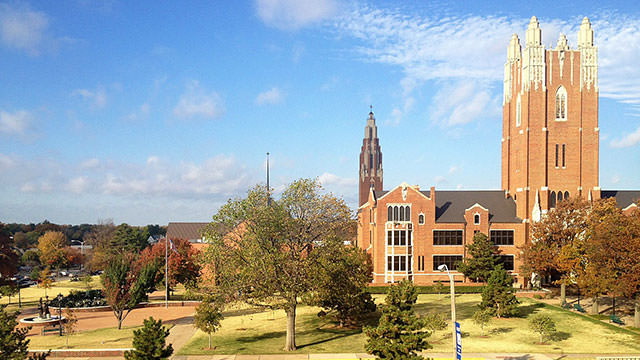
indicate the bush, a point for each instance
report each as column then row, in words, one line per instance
column 80, row 299
column 537, row 296
column 543, row 325
column 149, row 343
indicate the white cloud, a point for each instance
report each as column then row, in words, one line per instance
column 271, row 96
column 397, row 114
column 90, row 163
column 463, row 102
column 197, row 102
column 294, row 14
column 78, row 184
column 98, row 97
column 22, row 28
column 328, row 179
column 14, row 123
column 628, row 140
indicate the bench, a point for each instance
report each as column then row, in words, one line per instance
column 566, row 306
column 616, row 320
column 579, row 308
column 53, row 329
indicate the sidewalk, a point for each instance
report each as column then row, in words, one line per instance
column 435, row 356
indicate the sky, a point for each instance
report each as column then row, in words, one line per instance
column 149, row 112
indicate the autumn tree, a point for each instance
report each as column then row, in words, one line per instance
column 126, row 283
column 265, row 251
column 343, row 276
column 207, row 317
column 183, row 265
column 483, row 253
column 51, row 246
column 44, row 280
column 558, row 242
column 70, row 324
column 8, row 258
column 399, row 334
column 100, row 239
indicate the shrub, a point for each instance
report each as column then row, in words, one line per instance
column 543, row 325
column 499, row 295
column 482, row 318
column 79, row 299
column 149, row 342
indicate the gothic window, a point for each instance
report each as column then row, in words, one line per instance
column 390, row 213
column 518, row 111
column 476, row 219
column 552, row 199
column 401, row 213
column 407, row 213
column 370, row 161
column 395, row 214
column 561, row 104
column 564, row 152
column 370, row 133
column 421, row 219
column 557, row 155
column 559, row 196
column 566, row 195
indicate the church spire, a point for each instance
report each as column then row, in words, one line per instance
column 370, row 175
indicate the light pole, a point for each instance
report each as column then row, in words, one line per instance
column 60, row 313
column 443, row 268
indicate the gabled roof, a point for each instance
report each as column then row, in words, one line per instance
column 185, row 230
column 451, row 205
column 624, row 198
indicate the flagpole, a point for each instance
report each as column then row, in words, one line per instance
column 166, row 273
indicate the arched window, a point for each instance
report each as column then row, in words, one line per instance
column 476, row 219
column 401, row 213
column 561, row 104
column 566, row 195
column 407, row 213
column 421, row 219
column 395, row 213
column 518, row 111
column 559, row 196
column 390, row 213
column 552, row 199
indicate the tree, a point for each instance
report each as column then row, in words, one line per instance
column 70, row 323
column 87, row 281
column 8, row 258
column 128, row 238
column 100, row 238
column 126, row 283
column 31, row 257
column 498, row 296
column 208, row 317
column 9, row 290
column 51, row 246
column 482, row 318
column 183, row 266
column 343, row 276
column 399, row 334
column 149, row 342
column 264, row 251
column 543, row 325
column 482, row 261
column 13, row 340
column 45, row 281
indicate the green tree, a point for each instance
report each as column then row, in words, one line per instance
column 208, row 317
column 498, row 296
column 9, row 290
column 265, row 251
column 31, row 257
column 128, row 238
column 87, row 281
column 542, row 324
column 482, row 318
column 126, row 284
column 149, row 342
column 399, row 334
column 13, row 340
column 8, row 258
column 483, row 253
column 343, row 276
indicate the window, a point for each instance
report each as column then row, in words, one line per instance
column 557, row 155
column 552, row 199
column 390, row 213
column 421, row 219
column 559, row 196
column 564, row 151
column 518, row 111
column 449, row 260
column 399, row 213
column 420, row 263
column 506, row 261
column 399, row 237
column 476, row 219
column 395, row 213
column 397, row 263
column 447, row 237
column 407, row 213
column 501, row 237
column 566, row 195
column 370, row 161
column 561, row 104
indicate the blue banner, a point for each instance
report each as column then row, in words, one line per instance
column 458, row 342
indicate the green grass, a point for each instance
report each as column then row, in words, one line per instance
column 108, row 338
column 244, row 332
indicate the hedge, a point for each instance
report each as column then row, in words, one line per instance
column 430, row 289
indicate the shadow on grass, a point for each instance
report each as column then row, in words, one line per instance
column 242, row 312
column 264, row 336
column 560, row 335
column 526, row 310
column 500, row 330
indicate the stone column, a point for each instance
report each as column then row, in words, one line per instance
column 594, row 307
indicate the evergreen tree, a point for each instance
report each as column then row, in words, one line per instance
column 13, row 341
column 208, row 317
column 498, row 296
column 149, row 342
column 482, row 261
column 399, row 333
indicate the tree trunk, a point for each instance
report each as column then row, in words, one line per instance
column 594, row 307
column 563, row 293
column 209, row 341
column 290, row 344
column 636, row 312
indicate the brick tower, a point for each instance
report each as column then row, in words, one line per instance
column 370, row 161
column 550, row 121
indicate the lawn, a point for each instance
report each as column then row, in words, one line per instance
column 32, row 294
column 109, row 338
column 243, row 332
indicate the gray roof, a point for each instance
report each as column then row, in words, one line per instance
column 624, row 198
column 185, row 230
column 450, row 205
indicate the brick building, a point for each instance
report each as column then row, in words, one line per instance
column 549, row 153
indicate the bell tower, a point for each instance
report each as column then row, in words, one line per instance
column 370, row 175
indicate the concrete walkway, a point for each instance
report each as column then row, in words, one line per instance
column 180, row 334
column 436, row 356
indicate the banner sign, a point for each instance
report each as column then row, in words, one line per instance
column 458, row 342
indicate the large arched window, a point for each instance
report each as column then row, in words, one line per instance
column 407, row 213
column 395, row 214
column 518, row 111
column 560, row 196
column 390, row 213
column 561, row 104
column 552, row 200
column 566, row 195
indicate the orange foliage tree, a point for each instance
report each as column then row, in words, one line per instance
column 183, row 267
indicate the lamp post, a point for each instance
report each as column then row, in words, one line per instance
column 443, row 268
column 59, row 297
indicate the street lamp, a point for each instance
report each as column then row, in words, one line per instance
column 443, row 268
column 59, row 297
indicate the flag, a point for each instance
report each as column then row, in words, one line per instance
column 173, row 248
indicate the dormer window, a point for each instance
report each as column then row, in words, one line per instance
column 561, row 104
column 476, row 219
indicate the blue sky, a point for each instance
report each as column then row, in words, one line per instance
column 147, row 113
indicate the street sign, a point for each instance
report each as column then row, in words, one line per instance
column 458, row 342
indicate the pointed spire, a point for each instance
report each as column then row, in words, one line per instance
column 585, row 34
column 534, row 34
column 536, row 213
column 514, row 50
column 562, row 43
